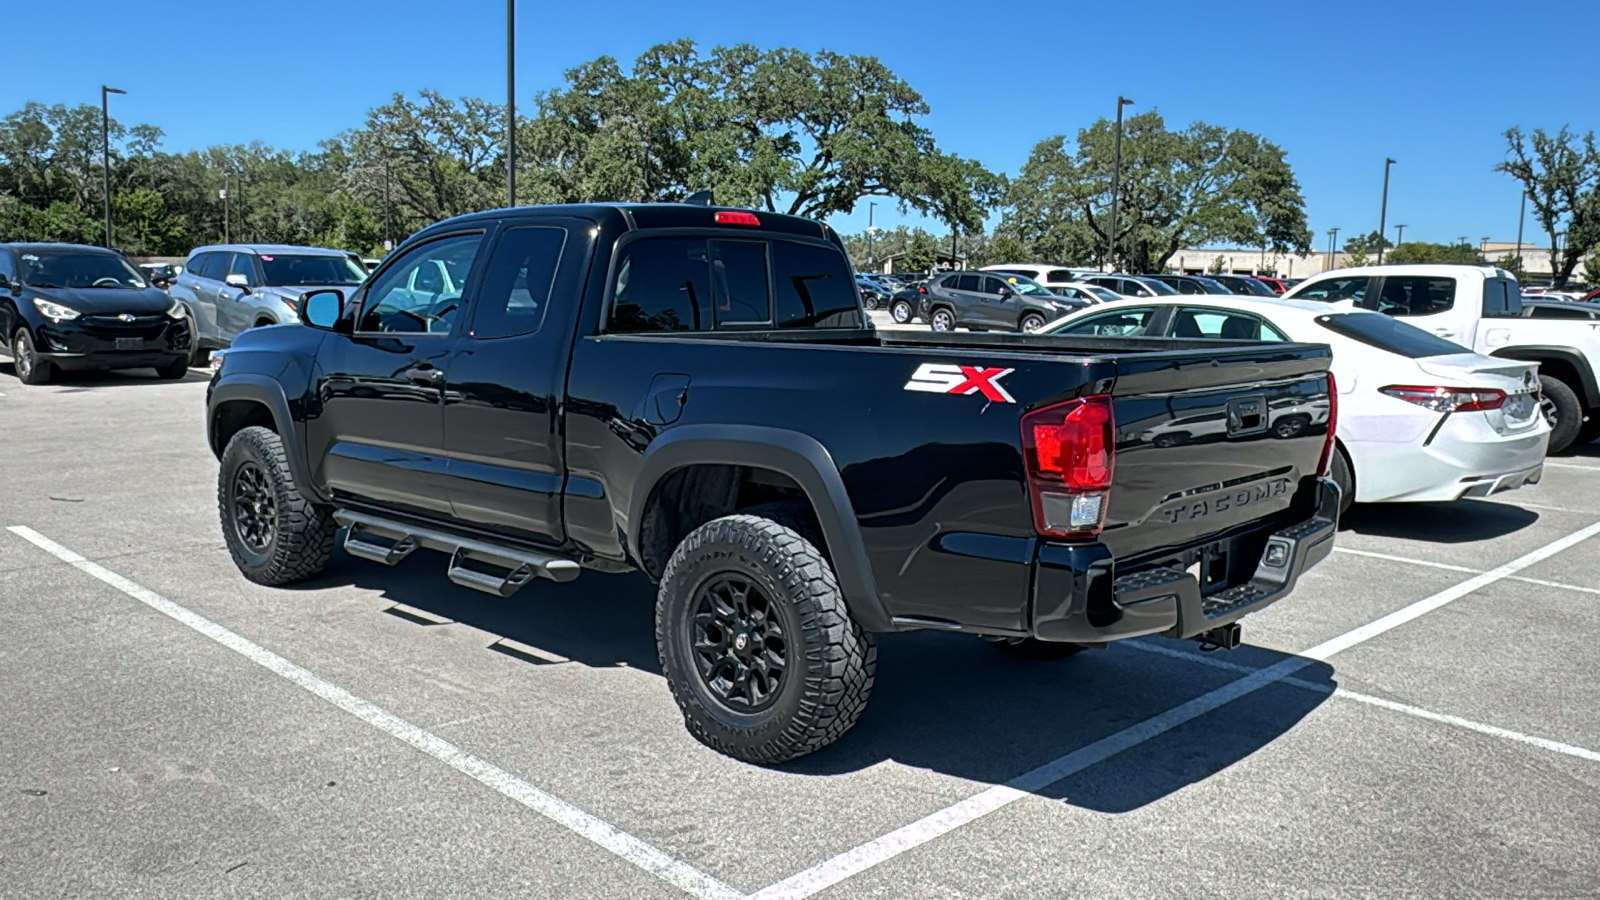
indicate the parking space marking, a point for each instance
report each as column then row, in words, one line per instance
column 1559, row 465
column 857, row 860
column 647, row 857
column 1393, row 706
column 1452, row 568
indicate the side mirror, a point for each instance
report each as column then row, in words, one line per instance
column 321, row 309
column 239, row 281
column 1005, row 292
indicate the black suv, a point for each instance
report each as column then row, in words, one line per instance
column 72, row 307
column 986, row 301
column 1191, row 284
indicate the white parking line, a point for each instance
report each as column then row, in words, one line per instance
column 657, row 862
column 1450, row 568
column 853, row 862
column 1346, row 694
column 1557, row 465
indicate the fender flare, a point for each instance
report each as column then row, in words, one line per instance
column 265, row 391
column 1589, row 389
column 800, row 457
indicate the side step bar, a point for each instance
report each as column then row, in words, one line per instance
column 521, row 566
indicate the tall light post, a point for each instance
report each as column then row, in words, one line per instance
column 226, row 231
column 388, row 235
column 871, row 255
column 511, row 102
column 105, row 151
column 1399, row 235
column 1116, row 184
column 1333, row 237
column 1522, row 217
column 1383, row 213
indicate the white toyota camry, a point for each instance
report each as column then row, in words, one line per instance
column 1420, row 418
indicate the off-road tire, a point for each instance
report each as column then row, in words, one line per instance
column 174, row 370
column 829, row 660
column 1033, row 648
column 34, row 370
column 303, row 538
column 1568, row 412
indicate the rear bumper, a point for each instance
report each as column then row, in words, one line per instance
column 1079, row 598
column 1465, row 459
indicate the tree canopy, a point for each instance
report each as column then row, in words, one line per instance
column 1561, row 174
column 1177, row 188
column 781, row 129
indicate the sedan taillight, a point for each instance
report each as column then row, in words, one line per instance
column 1448, row 399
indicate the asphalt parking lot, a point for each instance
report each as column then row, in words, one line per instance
column 1421, row 719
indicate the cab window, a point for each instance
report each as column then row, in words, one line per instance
column 1222, row 325
column 420, row 293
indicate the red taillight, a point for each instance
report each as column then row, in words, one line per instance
column 1070, row 449
column 1325, row 464
column 1448, row 399
column 732, row 217
column 921, row 289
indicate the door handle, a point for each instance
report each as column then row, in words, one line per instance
column 427, row 376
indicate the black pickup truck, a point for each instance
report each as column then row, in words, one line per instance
column 696, row 392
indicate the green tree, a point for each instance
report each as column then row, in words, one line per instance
column 1178, row 188
column 1512, row 264
column 1412, row 252
column 1561, row 175
column 921, row 253
column 783, row 130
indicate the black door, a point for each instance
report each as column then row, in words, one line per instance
column 380, row 431
column 505, row 380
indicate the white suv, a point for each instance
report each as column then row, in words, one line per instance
column 1047, row 275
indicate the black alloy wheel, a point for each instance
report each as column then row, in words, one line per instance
column 255, row 507
column 740, row 648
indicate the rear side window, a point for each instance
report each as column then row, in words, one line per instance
column 216, row 267
column 195, row 263
column 1057, row 277
column 1388, row 334
column 663, row 284
column 1413, row 296
column 814, row 288
column 1502, row 298
column 972, row 283
column 1223, row 325
column 517, row 283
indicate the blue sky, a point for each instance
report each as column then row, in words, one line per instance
column 1339, row 86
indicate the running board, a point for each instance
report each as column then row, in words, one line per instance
column 521, row 566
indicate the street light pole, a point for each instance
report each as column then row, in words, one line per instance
column 1383, row 214
column 1333, row 238
column 1399, row 236
column 872, row 258
column 1522, row 217
column 226, row 230
column 1116, row 184
column 388, row 235
column 511, row 102
column 105, row 152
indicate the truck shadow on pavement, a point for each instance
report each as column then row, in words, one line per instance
column 949, row 703
column 1463, row 521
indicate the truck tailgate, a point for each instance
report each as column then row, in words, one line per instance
column 1206, row 445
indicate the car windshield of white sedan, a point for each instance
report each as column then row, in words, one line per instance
column 304, row 271
column 68, row 269
column 1393, row 335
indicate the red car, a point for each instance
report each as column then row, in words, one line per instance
column 1591, row 297
column 1278, row 285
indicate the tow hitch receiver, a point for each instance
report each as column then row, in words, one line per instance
column 1224, row 637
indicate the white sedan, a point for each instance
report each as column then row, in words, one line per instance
column 1420, row 418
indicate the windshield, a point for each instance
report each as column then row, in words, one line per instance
column 1252, row 286
column 1022, row 284
column 1159, row 286
column 1105, row 294
column 1386, row 333
column 79, row 269
column 302, row 271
